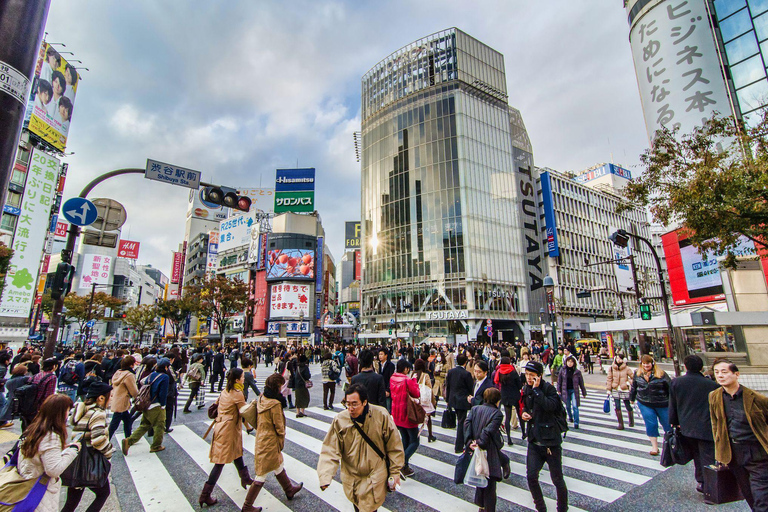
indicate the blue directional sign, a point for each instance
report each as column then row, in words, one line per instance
column 90, row 323
column 79, row 211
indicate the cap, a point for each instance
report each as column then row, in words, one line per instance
column 535, row 367
column 97, row 389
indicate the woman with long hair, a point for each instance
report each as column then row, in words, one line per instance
column 422, row 379
column 439, row 372
column 650, row 387
column 44, row 450
column 508, row 381
column 227, row 443
column 618, row 384
column 270, row 440
column 90, row 419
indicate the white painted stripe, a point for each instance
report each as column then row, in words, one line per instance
column 575, row 485
column 229, row 481
column 154, row 485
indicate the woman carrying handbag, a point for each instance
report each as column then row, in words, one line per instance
column 90, row 419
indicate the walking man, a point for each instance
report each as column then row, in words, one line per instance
column 459, row 390
column 218, row 370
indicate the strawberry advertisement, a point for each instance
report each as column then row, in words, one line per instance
column 290, row 264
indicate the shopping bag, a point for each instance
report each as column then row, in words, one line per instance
column 481, row 464
column 462, row 464
column 607, row 405
column 449, row 419
column 720, row 485
column 472, row 478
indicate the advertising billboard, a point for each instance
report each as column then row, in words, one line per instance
column 259, row 298
column 262, row 199
column 358, row 264
column 294, row 190
column 128, row 249
column 52, row 99
column 236, row 231
column 288, row 300
column 319, row 276
column 549, row 215
column 604, row 170
column 61, row 229
column 96, row 269
column 295, row 202
column 290, row 264
column 622, row 269
column 200, row 209
column 212, row 259
column 19, row 292
column 352, row 235
column 178, row 260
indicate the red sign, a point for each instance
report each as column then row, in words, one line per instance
column 61, row 229
column 176, row 272
column 260, row 301
column 358, row 264
column 128, row 249
column 46, row 264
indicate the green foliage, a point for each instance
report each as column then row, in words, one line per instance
column 714, row 182
column 142, row 318
column 6, row 253
column 176, row 311
column 80, row 309
column 220, row 298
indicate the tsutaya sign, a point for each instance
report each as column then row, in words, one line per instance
column 448, row 315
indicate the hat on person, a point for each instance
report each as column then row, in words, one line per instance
column 163, row 362
column 97, row 389
column 535, row 367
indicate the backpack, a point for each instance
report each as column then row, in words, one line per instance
column 561, row 419
column 194, row 374
column 144, row 399
column 25, row 401
column 67, row 375
column 333, row 371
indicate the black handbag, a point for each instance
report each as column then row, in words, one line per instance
column 449, row 419
column 720, row 485
column 89, row 469
column 462, row 465
column 673, row 451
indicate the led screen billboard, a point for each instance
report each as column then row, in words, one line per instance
column 290, row 264
column 52, row 98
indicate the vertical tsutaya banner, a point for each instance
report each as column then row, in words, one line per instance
column 176, row 272
column 52, row 98
column 19, row 290
column 96, row 268
column 319, row 259
column 549, row 215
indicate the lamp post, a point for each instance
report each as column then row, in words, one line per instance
column 621, row 238
column 549, row 286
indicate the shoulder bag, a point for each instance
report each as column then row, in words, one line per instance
column 307, row 383
column 414, row 410
column 89, row 469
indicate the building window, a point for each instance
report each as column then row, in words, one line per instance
column 14, row 199
column 8, row 222
column 18, row 177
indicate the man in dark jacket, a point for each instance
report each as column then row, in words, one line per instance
column 386, row 369
column 541, row 408
column 373, row 382
column 154, row 417
column 218, row 371
column 689, row 409
column 459, row 393
column 482, row 382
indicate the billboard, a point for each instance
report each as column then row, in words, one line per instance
column 212, row 259
column 290, row 264
column 319, row 276
column 288, row 300
column 61, row 229
column 19, row 293
column 296, row 202
column 236, row 231
column 358, row 264
column 260, row 301
column 95, row 271
column 553, row 248
column 352, row 235
column 604, row 170
column 52, row 99
column 262, row 199
column 178, row 260
column 200, row 209
column 295, row 190
column 128, row 249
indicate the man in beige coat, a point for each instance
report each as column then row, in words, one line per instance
column 364, row 472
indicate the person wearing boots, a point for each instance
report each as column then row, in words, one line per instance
column 270, row 440
column 227, row 443
column 618, row 385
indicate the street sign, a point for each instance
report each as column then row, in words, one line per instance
column 111, row 214
column 90, row 323
column 79, row 211
column 172, row 174
column 583, row 295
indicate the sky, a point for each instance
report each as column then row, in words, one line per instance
column 238, row 88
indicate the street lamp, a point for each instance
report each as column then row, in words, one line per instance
column 549, row 286
column 621, row 238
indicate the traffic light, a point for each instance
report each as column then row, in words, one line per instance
column 225, row 196
column 645, row 312
column 62, row 281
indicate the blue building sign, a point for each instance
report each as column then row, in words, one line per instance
column 295, row 180
column 553, row 249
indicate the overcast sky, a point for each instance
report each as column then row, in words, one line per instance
column 238, row 88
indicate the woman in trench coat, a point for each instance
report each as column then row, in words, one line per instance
column 270, row 440
column 227, row 443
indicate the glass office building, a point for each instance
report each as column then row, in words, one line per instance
column 441, row 205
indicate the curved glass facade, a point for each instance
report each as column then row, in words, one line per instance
column 441, row 225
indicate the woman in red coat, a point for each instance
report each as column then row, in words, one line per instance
column 402, row 389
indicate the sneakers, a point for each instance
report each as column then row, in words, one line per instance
column 406, row 471
column 124, row 444
column 158, row 449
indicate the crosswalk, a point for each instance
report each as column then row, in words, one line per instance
column 601, row 464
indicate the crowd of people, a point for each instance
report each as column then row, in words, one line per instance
column 78, row 399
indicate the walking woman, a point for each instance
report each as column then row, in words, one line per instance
column 618, row 384
column 422, row 379
column 650, row 387
column 403, row 389
column 44, row 449
column 300, row 376
column 270, row 440
column 90, row 418
column 441, row 369
column 124, row 386
column 569, row 382
column 284, row 369
column 482, row 430
column 508, row 380
column 227, row 442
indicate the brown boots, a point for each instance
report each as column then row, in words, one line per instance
column 245, row 477
column 287, row 485
column 253, row 492
column 620, row 418
column 631, row 415
column 205, row 496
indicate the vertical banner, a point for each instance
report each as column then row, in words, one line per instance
column 319, row 278
column 176, row 271
column 553, row 248
column 611, row 347
column 358, row 264
column 19, row 290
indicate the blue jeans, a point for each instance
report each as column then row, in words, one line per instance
column 570, row 404
column 72, row 394
column 410, row 437
column 652, row 416
column 117, row 417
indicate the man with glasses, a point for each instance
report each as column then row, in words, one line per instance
column 364, row 441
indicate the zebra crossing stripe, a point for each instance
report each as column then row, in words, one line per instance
column 229, row 482
column 156, row 489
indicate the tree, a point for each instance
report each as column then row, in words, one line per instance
column 176, row 311
column 219, row 298
column 142, row 319
column 6, row 253
column 713, row 181
column 81, row 310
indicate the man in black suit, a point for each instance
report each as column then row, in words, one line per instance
column 689, row 409
column 458, row 393
column 372, row 381
column 482, row 382
column 386, row 369
column 218, row 370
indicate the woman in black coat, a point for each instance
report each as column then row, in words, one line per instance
column 481, row 430
column 508, row 380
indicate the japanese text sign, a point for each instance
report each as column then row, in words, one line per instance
column 172, row 174
column 288, row 300
column 95, row 270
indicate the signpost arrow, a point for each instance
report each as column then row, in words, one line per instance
column 79, row 211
